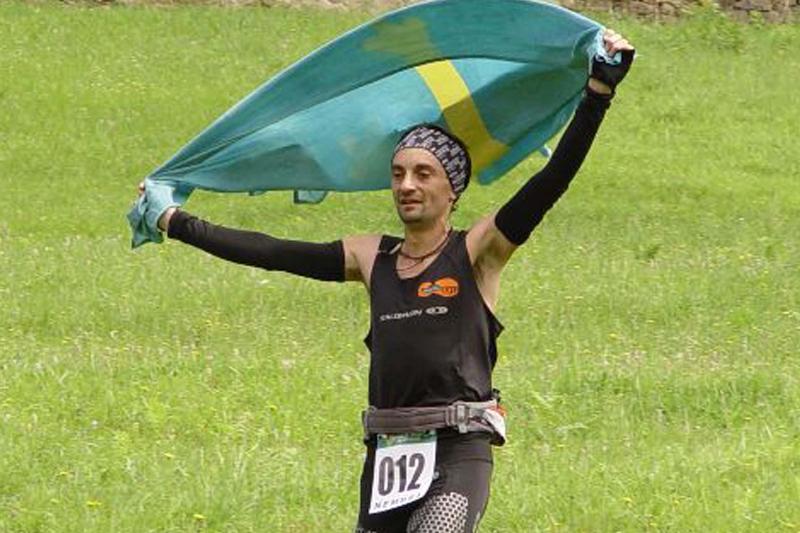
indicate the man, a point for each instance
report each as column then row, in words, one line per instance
column 433, row 414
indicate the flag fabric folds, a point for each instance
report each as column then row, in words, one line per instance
column 503, row 75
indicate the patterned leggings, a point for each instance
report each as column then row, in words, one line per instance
column 456, row 500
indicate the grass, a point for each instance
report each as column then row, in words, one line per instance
column 650, row 354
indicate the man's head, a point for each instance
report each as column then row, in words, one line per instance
column 430, row 170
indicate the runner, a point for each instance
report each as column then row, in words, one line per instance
column 433, row 414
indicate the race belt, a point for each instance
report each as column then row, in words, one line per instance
column 466, row 417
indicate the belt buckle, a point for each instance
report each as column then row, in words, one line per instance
column 462, row 417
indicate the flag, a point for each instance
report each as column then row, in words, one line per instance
column 502, row 75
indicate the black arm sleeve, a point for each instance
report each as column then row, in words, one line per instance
column 324, row 261
column 523, row 212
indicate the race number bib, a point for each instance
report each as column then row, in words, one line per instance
column 404, row 466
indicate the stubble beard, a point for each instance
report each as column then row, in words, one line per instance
column 413, row 217
column 410, row 218
column 418, row 218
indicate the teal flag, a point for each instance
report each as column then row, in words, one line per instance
column 503, row 75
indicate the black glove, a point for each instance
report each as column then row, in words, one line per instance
column 610, row 74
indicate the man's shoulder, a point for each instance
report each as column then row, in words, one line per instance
column 364, row 239
column 362, row 245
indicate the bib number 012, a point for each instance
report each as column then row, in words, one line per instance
column 404, row 467
column 388, row 468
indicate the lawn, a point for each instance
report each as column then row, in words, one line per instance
column 649, row 361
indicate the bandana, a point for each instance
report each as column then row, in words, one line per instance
column 449, row 151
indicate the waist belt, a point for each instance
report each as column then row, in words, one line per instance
column 467, row 417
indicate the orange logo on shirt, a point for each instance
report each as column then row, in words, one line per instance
column 447, row 287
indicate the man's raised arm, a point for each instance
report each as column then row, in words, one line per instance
column 496, row 237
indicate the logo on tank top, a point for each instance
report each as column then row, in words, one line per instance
column 447, row 287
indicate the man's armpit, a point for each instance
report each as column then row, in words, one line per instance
column 487, row 245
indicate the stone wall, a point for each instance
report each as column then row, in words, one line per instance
column 744, row 10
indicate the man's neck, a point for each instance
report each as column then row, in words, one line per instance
column 421, row 240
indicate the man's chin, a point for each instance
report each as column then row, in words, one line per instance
column 410, row 216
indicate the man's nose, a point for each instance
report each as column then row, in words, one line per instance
column 407, row 182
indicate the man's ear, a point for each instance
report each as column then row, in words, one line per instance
column 453, row 203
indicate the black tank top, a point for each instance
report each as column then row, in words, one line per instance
column 431, row 338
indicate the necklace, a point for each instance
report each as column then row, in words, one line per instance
column 417, row 259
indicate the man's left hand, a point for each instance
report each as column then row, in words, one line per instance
column 605, row 77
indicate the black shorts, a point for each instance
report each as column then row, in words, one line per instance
column 457, row 497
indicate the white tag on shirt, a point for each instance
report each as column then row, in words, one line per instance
column 404, row 467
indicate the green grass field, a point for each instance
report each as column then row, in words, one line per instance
column 649, row 361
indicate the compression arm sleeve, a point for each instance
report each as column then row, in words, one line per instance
column 324, row 261
column 523, row 212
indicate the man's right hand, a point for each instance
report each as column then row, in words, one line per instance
column 163, row 222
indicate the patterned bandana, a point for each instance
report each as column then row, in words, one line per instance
column 450, row 153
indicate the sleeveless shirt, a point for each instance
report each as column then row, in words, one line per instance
column 432, row 337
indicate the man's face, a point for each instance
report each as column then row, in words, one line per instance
column 421, row 190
